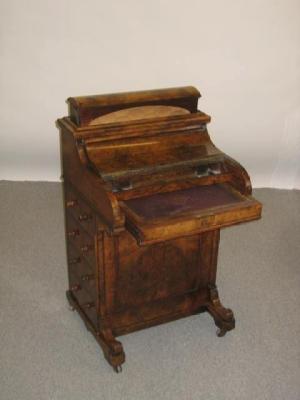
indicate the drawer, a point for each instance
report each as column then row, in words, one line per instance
column 73, row 232
column 84, row 290
column 81, row 212
column 87, row 248
column 81, row 272
column 79, row 238
column 86, row 303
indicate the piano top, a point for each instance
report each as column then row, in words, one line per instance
column 125, row 158
column 143, row 133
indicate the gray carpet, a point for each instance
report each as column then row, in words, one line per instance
column 47, row 353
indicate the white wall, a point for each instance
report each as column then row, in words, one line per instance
column 244, row 56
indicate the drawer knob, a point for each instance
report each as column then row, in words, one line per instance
column 88, row 277
column 71, row 203
column 73, row 233
column 85, row 217
column 75, row 261
column 88, row 305
column 75, row 288
column 86, row 248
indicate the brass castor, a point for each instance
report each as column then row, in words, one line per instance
column 118, row 368
column 221, row 332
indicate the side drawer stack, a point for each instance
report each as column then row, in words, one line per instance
column 81, row 237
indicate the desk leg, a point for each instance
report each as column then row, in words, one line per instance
column 223, row 317
column 112, row 348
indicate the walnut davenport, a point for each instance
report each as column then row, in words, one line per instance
column 146, row 193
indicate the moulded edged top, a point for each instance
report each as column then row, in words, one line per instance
column 137, row 96
column 87, row 110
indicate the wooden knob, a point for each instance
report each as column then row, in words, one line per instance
column 85, row 217
column 88, row 277
column 75, row 288
column 71, row 203
column 73, row 233
column 88, row 305
column 86, row 248
column 75, row 261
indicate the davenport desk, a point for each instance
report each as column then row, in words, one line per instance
column 146, row 193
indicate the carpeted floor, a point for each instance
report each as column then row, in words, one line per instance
column 47, row 353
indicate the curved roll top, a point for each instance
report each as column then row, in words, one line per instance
column 86, row 109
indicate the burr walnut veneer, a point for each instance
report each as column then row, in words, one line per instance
column 146, row 194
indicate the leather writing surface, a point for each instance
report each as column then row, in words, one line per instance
column 182, row 201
